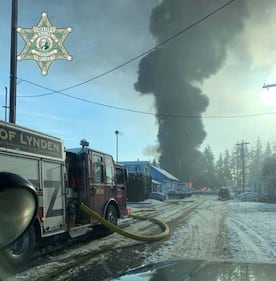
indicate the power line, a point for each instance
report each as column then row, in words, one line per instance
column 235, row 116
column 136, row 57
column 267, row 86
column 248, row 115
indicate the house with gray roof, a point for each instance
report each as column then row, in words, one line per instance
column 167, row 181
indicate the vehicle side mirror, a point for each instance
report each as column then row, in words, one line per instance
column 18, row 207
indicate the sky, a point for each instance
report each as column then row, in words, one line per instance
column 108, row 33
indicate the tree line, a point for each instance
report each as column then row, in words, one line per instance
column 245, row 167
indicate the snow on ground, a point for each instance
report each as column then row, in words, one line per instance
column 224, row 230
column 252, row 231
column 197, row 238
column 216, row 230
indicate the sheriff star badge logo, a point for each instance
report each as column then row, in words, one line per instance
column 44, row 43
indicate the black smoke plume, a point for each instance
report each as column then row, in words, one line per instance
column 172, row 71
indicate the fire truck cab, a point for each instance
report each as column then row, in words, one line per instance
column 93, row 178
column 62, row 179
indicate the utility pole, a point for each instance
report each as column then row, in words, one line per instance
column 242, row 144
column 13, row 62
column 6, row 106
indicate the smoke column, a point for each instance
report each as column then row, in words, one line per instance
column 172, row 72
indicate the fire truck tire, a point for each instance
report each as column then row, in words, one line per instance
column 112, row 214
column 140, row 237
column 22, row 249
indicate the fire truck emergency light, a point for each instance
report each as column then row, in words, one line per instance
column 18, row 207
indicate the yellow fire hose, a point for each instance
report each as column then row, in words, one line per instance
column 140, row 237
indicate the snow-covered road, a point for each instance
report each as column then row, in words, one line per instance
column 228, row 229
column 202, row 228
column 252, row 231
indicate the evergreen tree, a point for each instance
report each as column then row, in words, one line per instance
column 256, row 166
column 227, row 168
column 269, row 175
column 268, row 151
column 209, row 172
column 154, row 163
column 220, row 171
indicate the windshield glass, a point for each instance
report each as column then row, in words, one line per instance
column 177, row 96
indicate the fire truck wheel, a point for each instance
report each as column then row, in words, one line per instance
column 112, row 214
column 22, row 249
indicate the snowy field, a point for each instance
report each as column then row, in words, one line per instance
column 224, row 230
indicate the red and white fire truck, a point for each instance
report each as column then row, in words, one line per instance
column 62, row 178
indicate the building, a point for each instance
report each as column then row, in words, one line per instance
column 165, row 181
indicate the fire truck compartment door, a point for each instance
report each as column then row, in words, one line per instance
column 53, row 201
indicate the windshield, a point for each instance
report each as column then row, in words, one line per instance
column 177, row 96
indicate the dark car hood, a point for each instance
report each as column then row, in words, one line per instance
column 201, row 270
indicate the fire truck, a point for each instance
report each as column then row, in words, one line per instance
column 62, row 179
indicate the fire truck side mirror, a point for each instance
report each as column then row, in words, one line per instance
column 18, row 207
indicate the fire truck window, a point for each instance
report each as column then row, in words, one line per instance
column 109, row 170
column 74, row 170
column 98, row 169
column 119, row 176
column 26, row 167
column 51, row 172
column 109, row 174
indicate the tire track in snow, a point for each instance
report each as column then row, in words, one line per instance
column 250, row 236
column 201, row 235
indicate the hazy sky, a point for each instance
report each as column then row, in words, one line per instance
column 107, row 33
